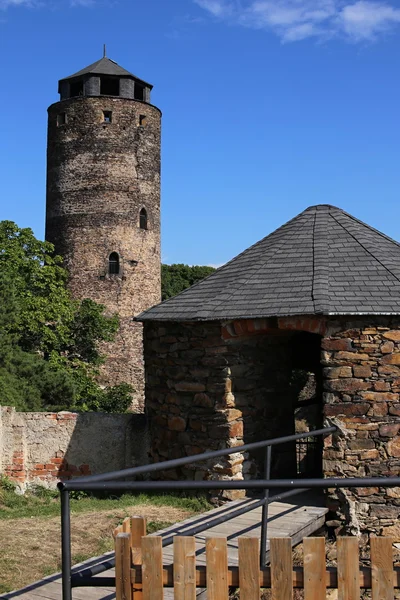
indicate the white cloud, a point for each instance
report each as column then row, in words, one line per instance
column 218, row 8
column 294, row 20
column 365, row 20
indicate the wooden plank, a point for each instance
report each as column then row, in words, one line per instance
column 152, row 568
column 217, row 569
column 138, row 531
column 184, row 568
column 126, row 525
column 123, row 566
column 281, row 568
column 314, row 569
column 249, row 568
column 348, row 568
column 382, row 568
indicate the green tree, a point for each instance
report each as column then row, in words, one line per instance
column 49, row 357
column 176, row 278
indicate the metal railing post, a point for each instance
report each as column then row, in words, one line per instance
column 264, row 516
column 66, row 545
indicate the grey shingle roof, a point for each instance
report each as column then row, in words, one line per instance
column 324, row 261
column 105, row 66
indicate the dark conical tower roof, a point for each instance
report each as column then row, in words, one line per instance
column 324, row 261
column 105, row 66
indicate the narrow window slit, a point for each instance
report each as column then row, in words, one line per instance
column 113, row 263
column 143, row 219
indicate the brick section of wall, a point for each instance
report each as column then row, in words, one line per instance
column 99, row 177
column 41, row 448
column 362, row 396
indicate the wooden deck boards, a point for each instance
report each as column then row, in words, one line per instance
column 284, row 520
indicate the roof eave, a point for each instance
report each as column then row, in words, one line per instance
column 142, row 318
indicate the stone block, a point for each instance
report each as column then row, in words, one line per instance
column 392, row 531
column 346, row 408
column 336, row 372
column 195, row 424
column 346, row 385
column 393, row 447
column 394, row 409
column 379, row 410
column 379, row 396
column 203, row 400
column 381, row 386
column 383, row 511
column 390, row 359
column 351, row 356
column 389, row 430
column 387, row 348
column 362, row 371
column 337, row 344
column 369, row 454
column 393, row 335
column 189, row 386
column 391, row 371
column 369, row 491
column 233, row 414
column 235, row 429
column 358, row 444
column 177, row 424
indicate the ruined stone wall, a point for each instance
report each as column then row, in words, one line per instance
column 204, row 393
column 41, row 448
column 210, row 386
column 362, row 397
column 99, row 177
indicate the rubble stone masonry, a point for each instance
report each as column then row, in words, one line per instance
column 42, row 448
column 205, row 393
column 100, row 175
column 211, row 386
column 362, row 396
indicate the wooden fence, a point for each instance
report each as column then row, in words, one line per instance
column 141, row 575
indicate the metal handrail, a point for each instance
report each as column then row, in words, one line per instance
column 107, row 481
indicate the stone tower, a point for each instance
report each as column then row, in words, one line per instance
column 103, row 202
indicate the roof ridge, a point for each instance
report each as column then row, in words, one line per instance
column 322, row 261
column 320, row 281
column 353, row 218
column 365, row 248
column 227, row 264
column 279, row 246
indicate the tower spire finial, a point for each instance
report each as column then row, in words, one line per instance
column 104, row 51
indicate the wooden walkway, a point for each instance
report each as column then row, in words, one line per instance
column 285, row 520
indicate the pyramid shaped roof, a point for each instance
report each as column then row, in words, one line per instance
column 324, row 261
column 105, row 66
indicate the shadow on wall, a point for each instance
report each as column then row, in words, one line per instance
column 41, row 448
column 267, row 388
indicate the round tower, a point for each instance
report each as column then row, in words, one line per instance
column 103, row 202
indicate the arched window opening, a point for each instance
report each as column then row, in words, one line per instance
column 113, row 264
column 143, row 219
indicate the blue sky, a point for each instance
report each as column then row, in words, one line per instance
column 269, row 106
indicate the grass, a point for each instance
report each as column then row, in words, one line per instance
column 30, row 527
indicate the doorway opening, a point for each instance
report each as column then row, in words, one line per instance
column 306, row 383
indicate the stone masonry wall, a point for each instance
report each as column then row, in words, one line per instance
column 41, row 448
column 210, row 386
column 362, row 397
column 99, row 177
column 204, row 393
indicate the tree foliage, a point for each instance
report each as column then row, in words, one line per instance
column 176, row 278
column 49, row 355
